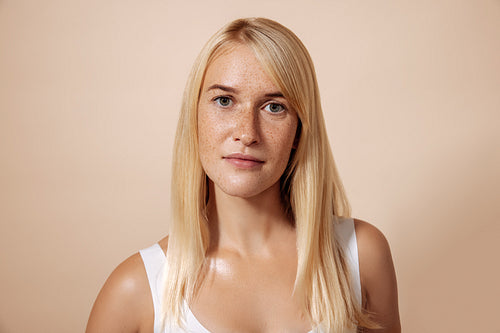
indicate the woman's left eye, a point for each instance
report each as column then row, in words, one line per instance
column 274, row 108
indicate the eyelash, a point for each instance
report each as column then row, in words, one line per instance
column 283, row 108
column 218, row 99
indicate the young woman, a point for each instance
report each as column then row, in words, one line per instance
column 261, row 239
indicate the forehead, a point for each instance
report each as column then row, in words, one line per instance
column 237, row 66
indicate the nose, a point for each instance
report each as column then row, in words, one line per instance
column 247, row 127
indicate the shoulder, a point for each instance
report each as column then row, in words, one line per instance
column 372, row 243
column 124, row 303
column 377, row 274
column 375, row 259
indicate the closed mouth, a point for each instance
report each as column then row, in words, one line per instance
column 243, row 157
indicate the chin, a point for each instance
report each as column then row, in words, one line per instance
column 244, row 189
column 240, row 192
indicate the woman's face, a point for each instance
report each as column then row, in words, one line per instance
column 246, row 127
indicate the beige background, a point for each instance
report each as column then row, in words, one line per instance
column 89, row 97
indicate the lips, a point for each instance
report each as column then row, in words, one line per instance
column 243, row 161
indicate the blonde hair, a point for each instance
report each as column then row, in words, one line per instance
column 311, row 188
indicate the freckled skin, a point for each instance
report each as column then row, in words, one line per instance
column 252, row 261
column 244, row 124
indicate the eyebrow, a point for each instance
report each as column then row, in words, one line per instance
column 235, row 91
column 221, row 87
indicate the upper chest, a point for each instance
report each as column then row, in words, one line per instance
column 249, row 295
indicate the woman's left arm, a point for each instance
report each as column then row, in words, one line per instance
column 378, row 278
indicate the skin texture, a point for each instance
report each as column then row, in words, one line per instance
column 239, row 112
column 250, row 267
column 378, row 278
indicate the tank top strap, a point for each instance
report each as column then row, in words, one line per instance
column 154, row 262
column 347, row 237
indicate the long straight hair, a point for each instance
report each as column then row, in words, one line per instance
column 311, row 189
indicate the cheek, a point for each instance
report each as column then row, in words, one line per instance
column 203, row 133
column 210, row 137
column 205, row 127
column 213, row 127
column 203, row 136
column 282, row 138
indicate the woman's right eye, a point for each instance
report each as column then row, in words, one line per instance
column 223, row 101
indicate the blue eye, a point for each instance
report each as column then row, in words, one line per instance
column 274, row 108
column 223, row 101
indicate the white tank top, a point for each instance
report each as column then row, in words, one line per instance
column 154, row 262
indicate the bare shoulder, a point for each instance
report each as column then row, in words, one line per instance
column 124, row 303
column 378, row 277
column 371, row 241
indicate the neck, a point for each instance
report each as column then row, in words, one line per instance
column 246, row 226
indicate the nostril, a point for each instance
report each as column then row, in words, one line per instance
column 247, row 139
column 246, row 129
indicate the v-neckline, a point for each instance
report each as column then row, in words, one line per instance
column 191, row 321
